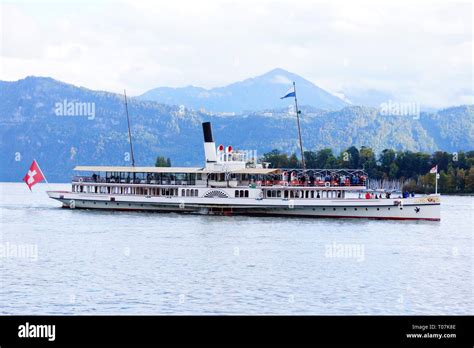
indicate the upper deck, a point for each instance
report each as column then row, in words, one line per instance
column 224, row 168
column 246, row 177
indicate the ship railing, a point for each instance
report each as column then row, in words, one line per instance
column 298, row 183
column 78, row 178
column 136, row 181
column 317, row 178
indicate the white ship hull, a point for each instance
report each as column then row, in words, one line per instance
column 422, row 208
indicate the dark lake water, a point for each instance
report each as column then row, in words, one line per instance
column 60, row 261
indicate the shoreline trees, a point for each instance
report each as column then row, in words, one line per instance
column 411, row 168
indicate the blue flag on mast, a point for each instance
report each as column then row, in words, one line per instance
column 290, row 93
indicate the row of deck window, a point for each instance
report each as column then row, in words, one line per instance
column 189, row 193
column 127, row 190
column 169, row 191
column 241, row 193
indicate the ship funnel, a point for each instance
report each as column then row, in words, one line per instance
column 209, row 145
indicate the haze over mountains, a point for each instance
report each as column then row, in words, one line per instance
column 31, row 127
column 253, row 94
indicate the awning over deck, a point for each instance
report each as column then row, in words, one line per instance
column 138, row 169
column 263, row 171
column 187, row 170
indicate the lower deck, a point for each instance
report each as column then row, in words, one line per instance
column 417, row 208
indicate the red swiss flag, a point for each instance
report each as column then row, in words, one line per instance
column 34, row 175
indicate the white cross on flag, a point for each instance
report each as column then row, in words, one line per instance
column 434, row 169
column 34, row 175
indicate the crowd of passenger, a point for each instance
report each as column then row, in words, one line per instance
column 331, row 179
column 387, row 194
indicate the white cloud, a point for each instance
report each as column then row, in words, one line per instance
column 418, row 49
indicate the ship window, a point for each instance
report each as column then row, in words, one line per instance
column 378, row 208
column 286, row 193
column 279, row 194
column 312, row 194
column 237, row 193
column 246, row 193
column 333, row 208
column 182, row 192
column 307, row 194
column 196, row 193
column 241, row 193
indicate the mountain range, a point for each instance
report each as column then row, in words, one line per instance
column 35, row 123
column 253, row 94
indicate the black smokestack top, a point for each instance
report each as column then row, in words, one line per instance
column 206, row 128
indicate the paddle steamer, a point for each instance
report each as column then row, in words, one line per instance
column 233, row 183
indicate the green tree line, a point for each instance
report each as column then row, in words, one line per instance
column 412, row 168
column 162, row 162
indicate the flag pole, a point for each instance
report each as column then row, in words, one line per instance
column 44, row 176
column 299, row 128
column 436, row 181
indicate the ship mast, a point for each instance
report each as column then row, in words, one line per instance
column 299, row 128
column 129, row 131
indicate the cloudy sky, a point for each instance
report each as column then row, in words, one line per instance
column 419, row 51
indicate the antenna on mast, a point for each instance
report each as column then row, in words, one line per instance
column 129, row 131
column 299, row 128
